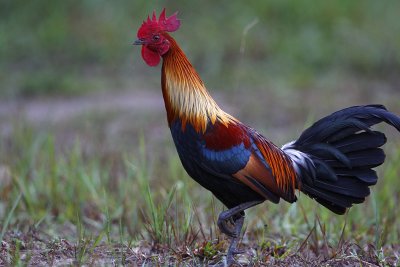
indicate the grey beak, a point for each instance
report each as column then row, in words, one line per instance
column 139, row 42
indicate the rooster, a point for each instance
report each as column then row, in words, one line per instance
column 332, row 161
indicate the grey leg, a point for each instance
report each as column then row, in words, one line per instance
column 234, row 242
column 236, row 217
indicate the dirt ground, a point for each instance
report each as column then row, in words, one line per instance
column 41, row 250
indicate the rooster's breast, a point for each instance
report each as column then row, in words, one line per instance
column 211, row 159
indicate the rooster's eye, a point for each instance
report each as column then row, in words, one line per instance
column 156, row 37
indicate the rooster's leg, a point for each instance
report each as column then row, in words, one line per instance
column 233, row 246
column 236, row 217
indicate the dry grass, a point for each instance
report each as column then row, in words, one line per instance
column 39, row 249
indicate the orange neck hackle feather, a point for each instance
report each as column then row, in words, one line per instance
column 187, row 99
column 185, row 96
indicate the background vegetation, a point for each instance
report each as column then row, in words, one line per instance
column 88, row 172
column 74, row 46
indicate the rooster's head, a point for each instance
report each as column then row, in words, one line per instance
column 153, row 38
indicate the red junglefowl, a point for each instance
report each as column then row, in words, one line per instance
column 331, row 161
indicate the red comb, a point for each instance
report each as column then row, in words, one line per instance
column 163, row 23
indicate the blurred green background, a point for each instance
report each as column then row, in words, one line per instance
column 71, row 47
column 84, row 145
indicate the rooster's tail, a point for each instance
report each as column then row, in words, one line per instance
column 335, row 156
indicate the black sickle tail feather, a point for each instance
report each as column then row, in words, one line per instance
column 335, row 156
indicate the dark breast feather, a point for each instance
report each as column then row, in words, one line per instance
column 211, row 162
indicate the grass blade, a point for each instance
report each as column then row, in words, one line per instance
column 9, row 216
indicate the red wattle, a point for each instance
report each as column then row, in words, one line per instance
column 150, row 57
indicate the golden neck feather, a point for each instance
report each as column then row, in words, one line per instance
column 185, row 95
